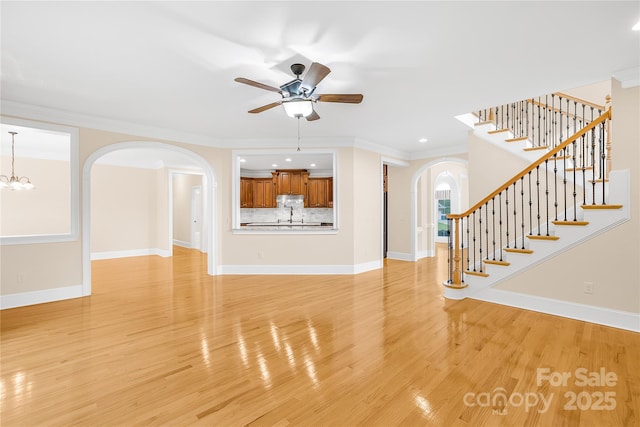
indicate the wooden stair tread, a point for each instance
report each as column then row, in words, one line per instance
column 542, row 147
column 518, row 251
column 476, row 273
column 536, row 237
column 497, row 262
column 570, row 222
column 486, row 122
column 520, row 138
column 604, row 207
column 491, row 132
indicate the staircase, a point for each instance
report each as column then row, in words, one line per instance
column 565, row 196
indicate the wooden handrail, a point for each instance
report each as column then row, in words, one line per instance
column 552, row 108
column 573, row 98
column 605, row 116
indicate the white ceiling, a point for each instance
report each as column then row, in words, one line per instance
column 169, row 66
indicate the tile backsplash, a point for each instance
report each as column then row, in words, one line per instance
column 248, row 215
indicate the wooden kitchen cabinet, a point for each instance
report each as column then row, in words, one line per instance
column 263, row 194
column 291, row 181
column 319, row 193
column 246, row 192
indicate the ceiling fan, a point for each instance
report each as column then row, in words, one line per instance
column 298, row 95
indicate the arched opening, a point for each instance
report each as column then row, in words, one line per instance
column 174, row 160
column 446, row 200
column 445, row 172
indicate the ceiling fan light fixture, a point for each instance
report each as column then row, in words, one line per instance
column 298, row 107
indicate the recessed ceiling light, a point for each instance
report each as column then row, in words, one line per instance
column 423, row 140
column 243, row 160
column 636, row 27
column 313, row 165
column 274, row 165
column 288, row 159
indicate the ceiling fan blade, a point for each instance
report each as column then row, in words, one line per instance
column 313, row 116
column 265, row 107
column 257, row 84
column 354, row 98
column 316, row 73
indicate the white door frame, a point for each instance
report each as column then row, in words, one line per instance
column 208, row 192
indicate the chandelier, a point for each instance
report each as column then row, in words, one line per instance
column 14, row 182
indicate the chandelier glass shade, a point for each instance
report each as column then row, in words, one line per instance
column 15, row 182
column 297, row 107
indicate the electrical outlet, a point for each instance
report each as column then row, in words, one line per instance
column 260, row 255
column 588, row 287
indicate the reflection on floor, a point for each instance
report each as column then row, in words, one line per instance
column 160, row 342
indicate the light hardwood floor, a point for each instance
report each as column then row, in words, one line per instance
column 160, row 342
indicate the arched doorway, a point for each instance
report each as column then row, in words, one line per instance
column 208, row 193
column 423, row 211
column 446, row 197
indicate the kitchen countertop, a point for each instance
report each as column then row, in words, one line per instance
column 281, row 226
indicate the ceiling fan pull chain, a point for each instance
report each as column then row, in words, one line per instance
column 298, row 133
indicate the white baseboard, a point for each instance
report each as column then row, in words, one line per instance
column 129, row 253
column 426, row 254
column 587, row 313
column 300, row 269
column 40, row 297
column 401, row 256
column 182, row 244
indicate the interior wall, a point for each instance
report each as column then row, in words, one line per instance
column 489, row 167
column 595, row 93
column 260, row 250
column 126, row 209
column 367, row 207
column 610, row 260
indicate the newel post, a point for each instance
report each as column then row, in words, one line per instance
column 608, row 132
column 456, row 274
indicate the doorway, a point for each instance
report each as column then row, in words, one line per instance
column 196, row 215
column 154, row 152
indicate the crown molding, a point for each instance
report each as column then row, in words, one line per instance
column 46, row 114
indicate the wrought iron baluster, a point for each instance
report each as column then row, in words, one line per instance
column 506, row 213
column 530, row 207
column 486, row 228
column 546, row 190
column 538, row 139
column 538, row 195
column 584, row 170
column 515, row 216
column 474, row 241
column 480, row 236
column 575, row 193
column 468, row 245
column 493, row 228
column 555, row 185
column 522, row 208
column 500, row 222
column 564, row 180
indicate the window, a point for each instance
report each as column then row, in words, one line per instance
column 443, row 206
column 47, row 154
column 280, row 191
